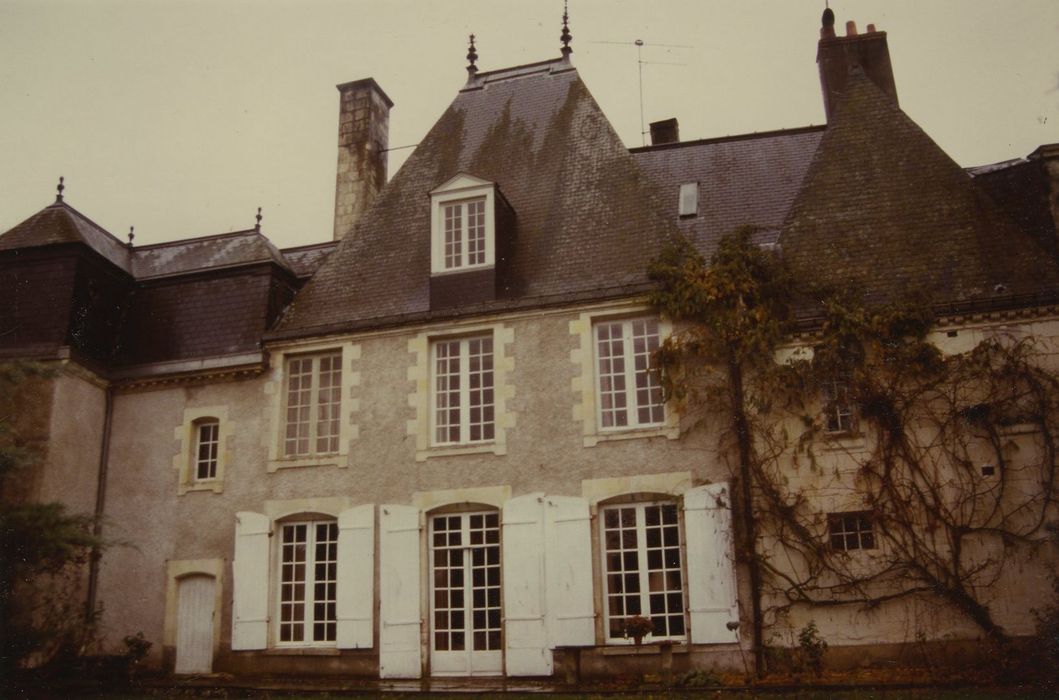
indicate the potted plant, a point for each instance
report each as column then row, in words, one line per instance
column 638, row 627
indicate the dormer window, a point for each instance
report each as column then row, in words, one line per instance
column 463, row 223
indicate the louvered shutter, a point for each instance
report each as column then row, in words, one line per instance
column 568, row 565
column 250, row 582
column 356, row 571
column 524, row 626
column 399, row 617
column 711, row 564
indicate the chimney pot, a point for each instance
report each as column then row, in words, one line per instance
column 871, row 29
column 665, row 131
column 851, row 28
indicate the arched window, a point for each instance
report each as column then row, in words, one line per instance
column 308, row 581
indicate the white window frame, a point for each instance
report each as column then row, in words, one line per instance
column 461, row 190
column 212, row 443
column 309, row 599
column 465, row 408
column 630, row 375
column 643, row 571
column 858, row 534
column 314, row 407
column 840, row 415
column 186, row 461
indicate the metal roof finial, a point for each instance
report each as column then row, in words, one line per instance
column 566, row 36
column 257, row 226
column 59, row 190
column 472, row 57
column 131, row 236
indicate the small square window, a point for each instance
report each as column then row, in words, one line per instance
column 849, row 531
column 689, row 199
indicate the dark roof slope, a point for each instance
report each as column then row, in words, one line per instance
column 206, row 253
column 60, row 223
column 588, row 219
column 884, row 209
column 1020, row 188
column 743, row 180
column 306, row 259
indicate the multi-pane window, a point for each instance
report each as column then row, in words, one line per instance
column 314, row 399
column 641, row 560
column 464, row 394
column 464, row 233
column 307, row 585
column 850, row 531
column 838, row 407
column 465, row 559
column 630, row 393
column 206, row 443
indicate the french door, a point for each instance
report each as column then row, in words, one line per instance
column 465, row 594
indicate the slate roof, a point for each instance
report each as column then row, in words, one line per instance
column 306, row 259
column 749, row 179
column 208, row 252
column 884, row 208
column 60, row 223
column 588, row 220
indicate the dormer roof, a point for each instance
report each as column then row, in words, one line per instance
column 60, row 223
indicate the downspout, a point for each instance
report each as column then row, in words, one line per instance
column 101, row 497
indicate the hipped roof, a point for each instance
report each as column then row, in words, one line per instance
column 885, row 211
column 588, row 220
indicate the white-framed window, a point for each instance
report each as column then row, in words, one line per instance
column 629, row 390
column 308, row 583
column 463, row 396
column 207, row 443
column 463, row 225
column 839, row 413
column 204, row 436
column 689, row 199
column 642, row 568
column 464, row 233
column 851, row 530
column 313, row 402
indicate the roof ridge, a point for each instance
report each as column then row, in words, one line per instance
column 195, row 239
column 732, row 137
column 519, row 71
column 72, row 210
column 298, row 248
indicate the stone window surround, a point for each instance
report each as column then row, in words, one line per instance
column 275, row 392
column 585, row 385
column 419, row 399
column 186, row 460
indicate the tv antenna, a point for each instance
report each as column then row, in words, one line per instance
column 640, row 63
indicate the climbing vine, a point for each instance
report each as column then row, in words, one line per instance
column 943, row 462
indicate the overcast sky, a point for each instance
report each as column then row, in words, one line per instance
column 183, row 117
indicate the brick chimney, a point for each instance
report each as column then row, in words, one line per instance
column 363, row 133
column 837, row 55
column 665, row 131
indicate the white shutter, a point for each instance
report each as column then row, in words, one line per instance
column 524, row 628
column 399, row 617
column 568, row 565
column 356, row 577
column 711, row 564
column 250, row 582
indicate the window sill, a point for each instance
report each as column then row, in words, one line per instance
column 302, row 651
column 647, row 649
column 213, row 486
column 457, row 450
column 844, row 442
column 332, row 460
column 666, row 431
column 458, row 270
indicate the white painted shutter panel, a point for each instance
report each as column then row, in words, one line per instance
column 399, row 617
column 250, row 582
column 356, row 572
column 568, row 565
column 711, row 564
column 524, row 628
